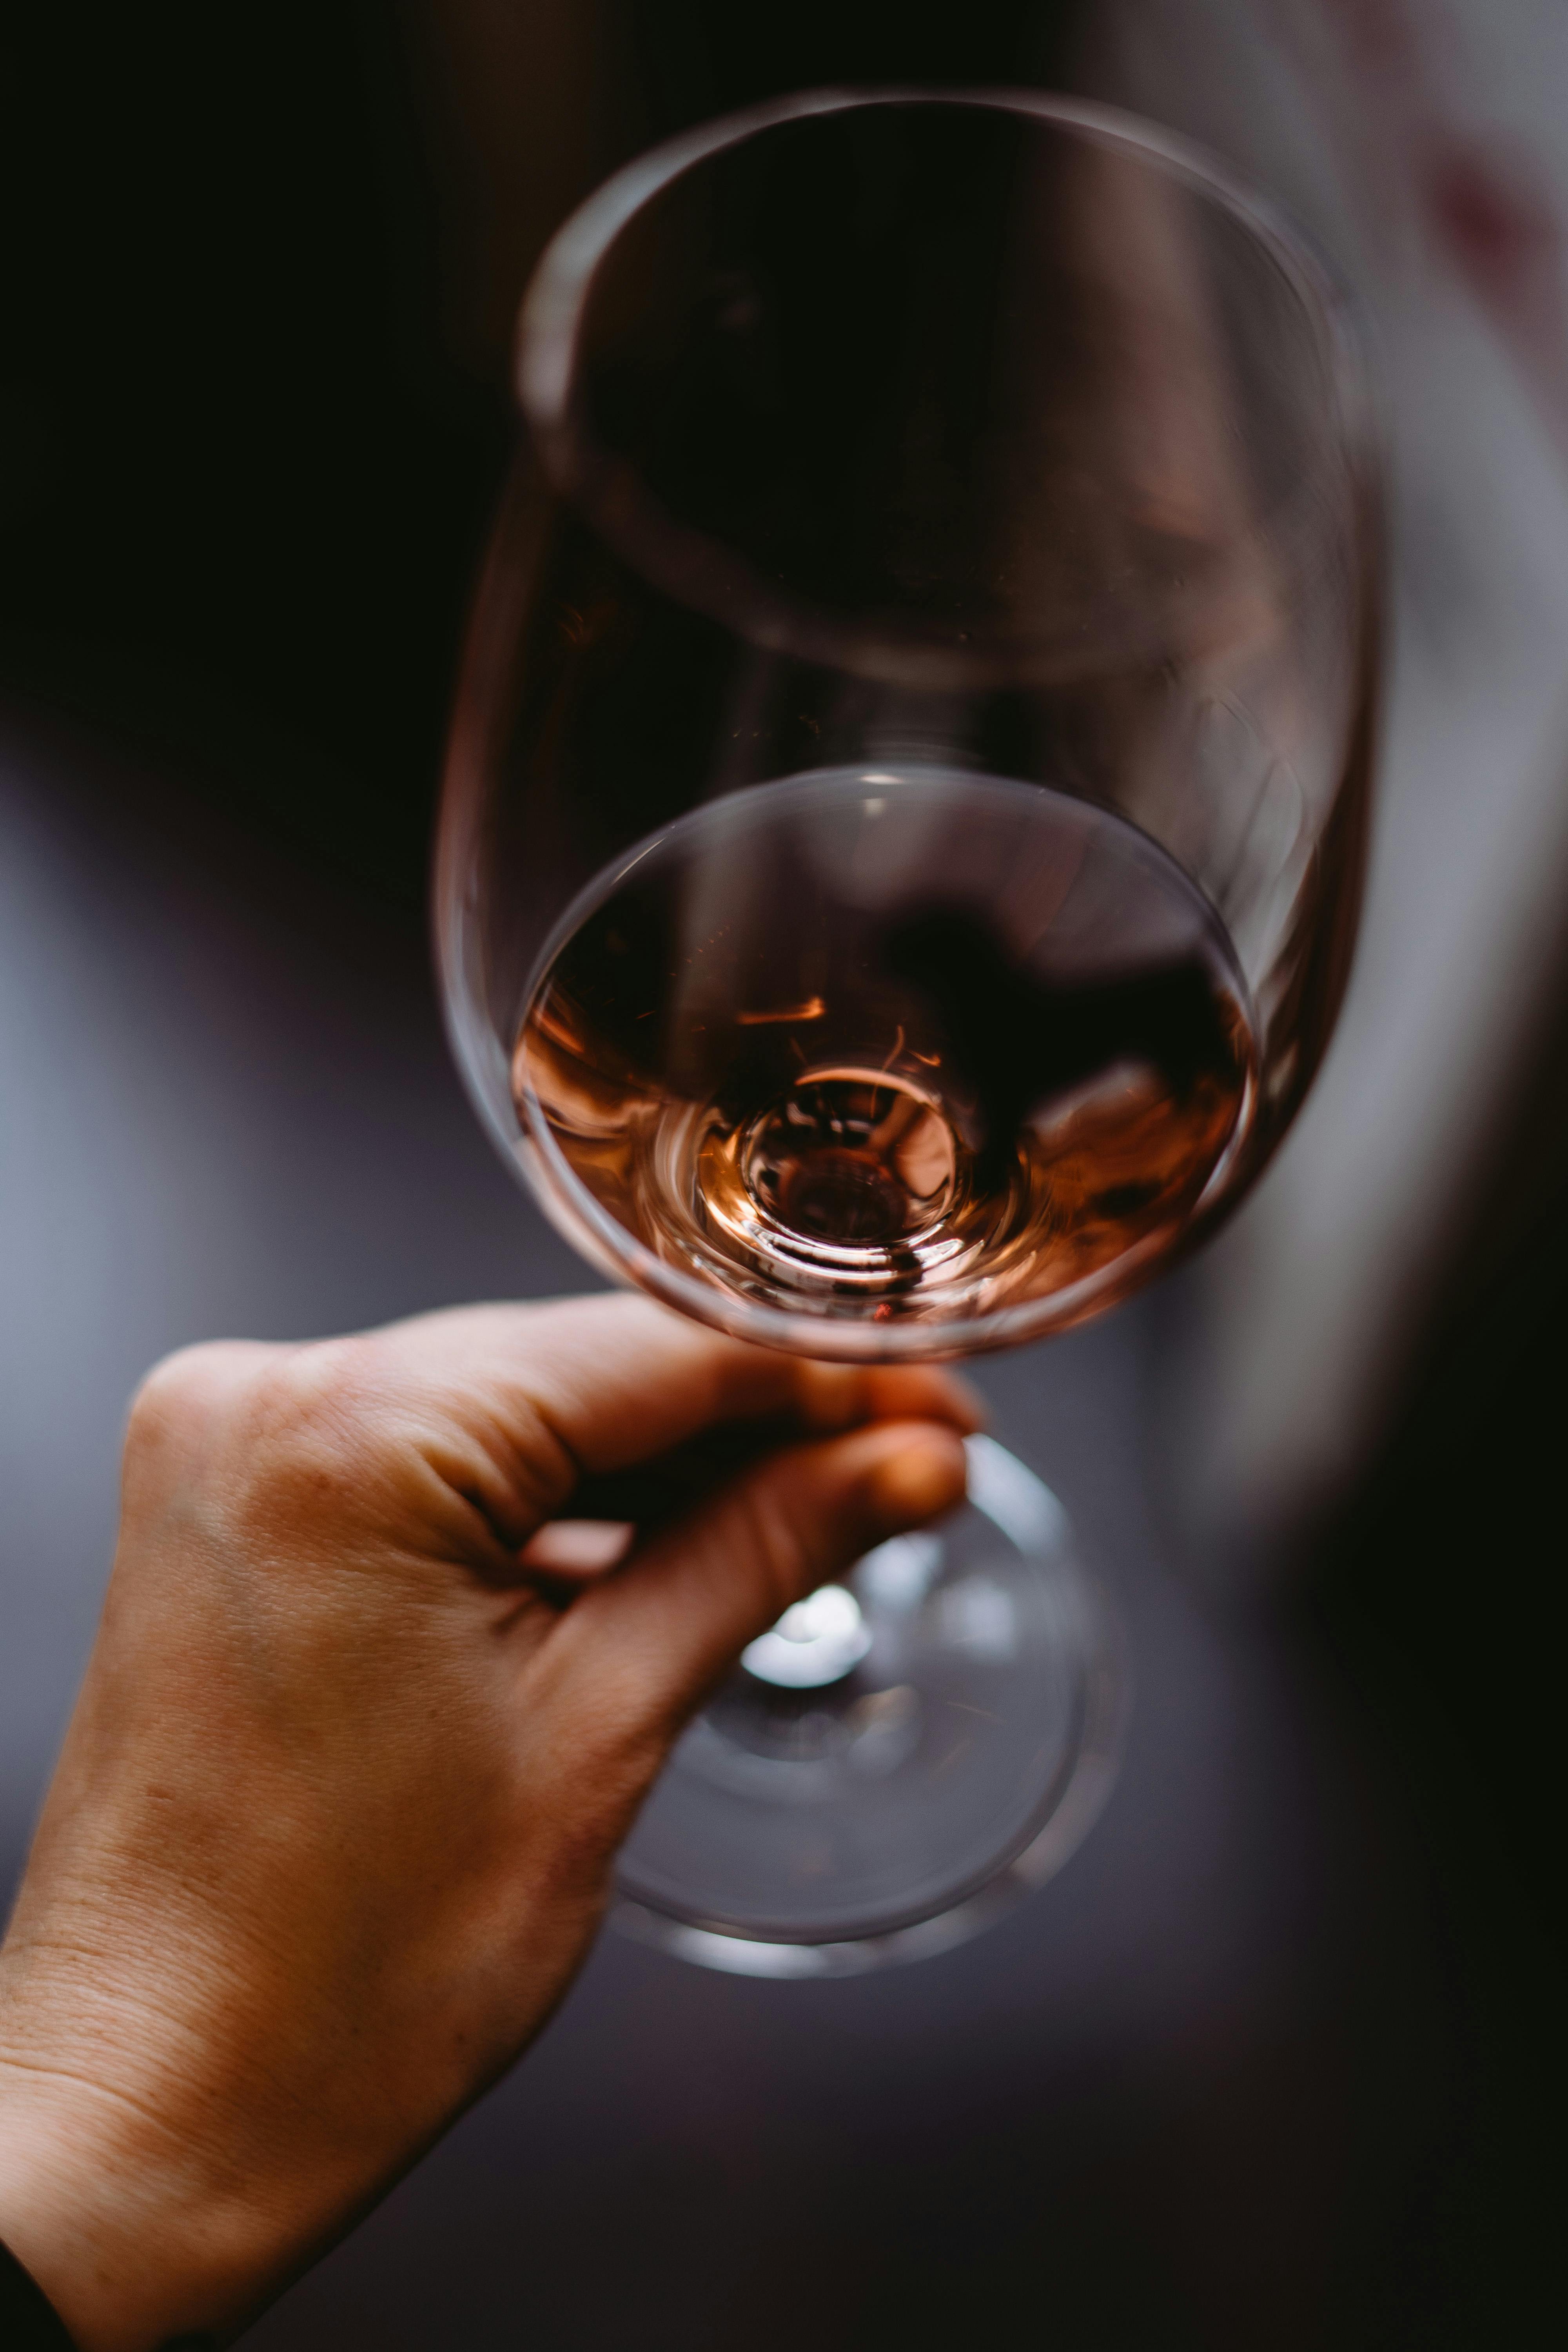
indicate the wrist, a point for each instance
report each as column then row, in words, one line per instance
column 123, row 2191
column 121, row 2240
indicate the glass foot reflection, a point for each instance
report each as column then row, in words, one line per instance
column 898, row 1758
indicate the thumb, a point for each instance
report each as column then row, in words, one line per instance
column 653, row 1637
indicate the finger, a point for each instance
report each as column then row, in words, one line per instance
column 623, row 1379
column 595, row 1385
column 565, row 1555
column 578, row 1547
column 641, row 1648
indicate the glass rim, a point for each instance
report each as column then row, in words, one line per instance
column 577, row 468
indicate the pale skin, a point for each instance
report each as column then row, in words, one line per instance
column 333, row 1826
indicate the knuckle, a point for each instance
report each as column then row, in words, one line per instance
column 312, row 1415
column 181, row 1395
column 313, row 1391
column 254, row 1423
column 180, row 1425
column 777, row 1532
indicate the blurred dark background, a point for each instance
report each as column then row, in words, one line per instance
column 1280, row 2059
column 259, row 280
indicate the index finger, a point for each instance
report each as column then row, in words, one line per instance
column 617, row 1380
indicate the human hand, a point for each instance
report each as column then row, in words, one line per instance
column 333, row 1822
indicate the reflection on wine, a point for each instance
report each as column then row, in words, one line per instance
column 914, row 1047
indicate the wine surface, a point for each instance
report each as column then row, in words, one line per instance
column 915, row 1046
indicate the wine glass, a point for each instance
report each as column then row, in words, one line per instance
column 899, row 865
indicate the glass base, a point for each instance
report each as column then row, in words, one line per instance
column 899, row 1758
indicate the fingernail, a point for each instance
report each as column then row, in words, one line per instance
column 925, row 1475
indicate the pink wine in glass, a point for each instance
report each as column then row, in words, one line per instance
column 915, row 1045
